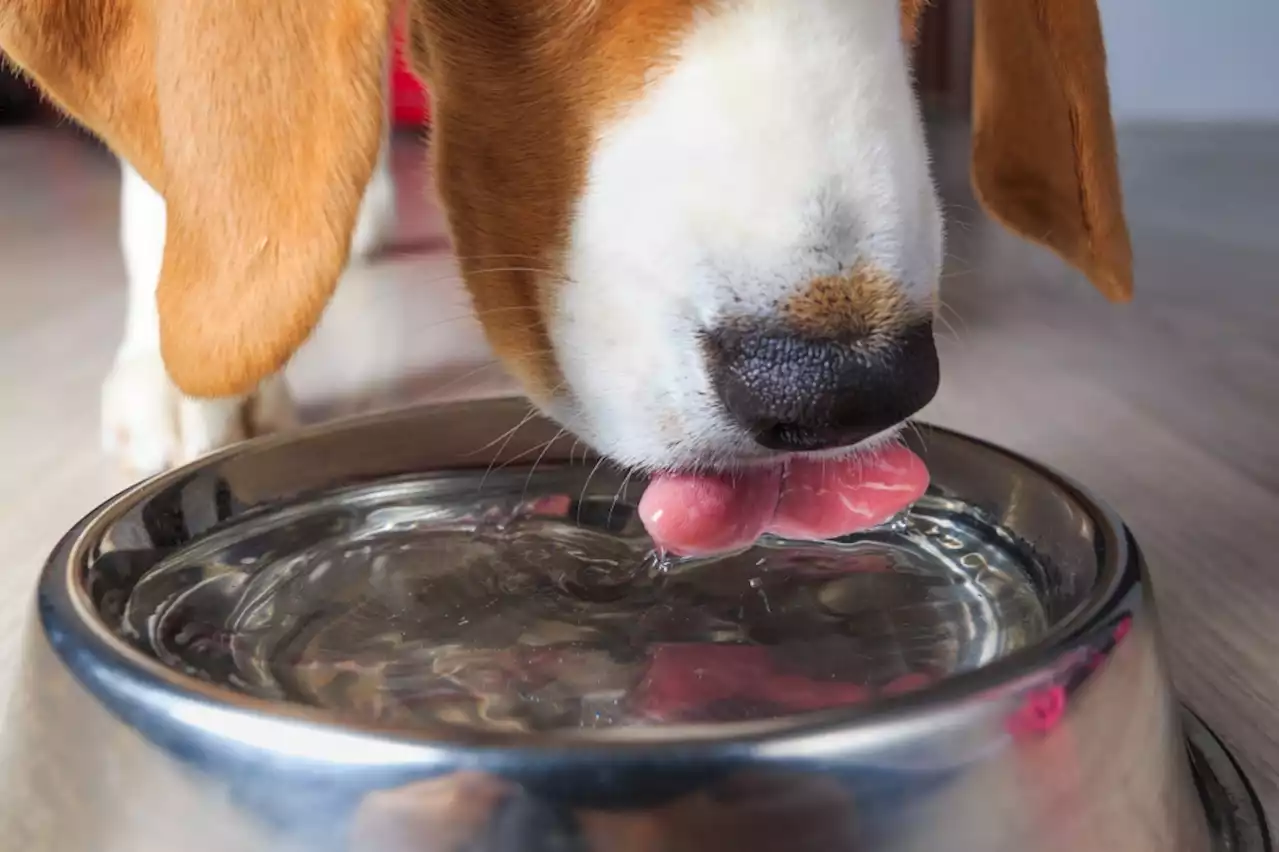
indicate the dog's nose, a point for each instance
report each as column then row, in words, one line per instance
column 798, row 393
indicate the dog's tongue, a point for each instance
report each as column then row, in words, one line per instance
column 695, row 515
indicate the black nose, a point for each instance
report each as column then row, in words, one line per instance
column 799, row 393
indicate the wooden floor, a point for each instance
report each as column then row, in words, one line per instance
column 1166, row 408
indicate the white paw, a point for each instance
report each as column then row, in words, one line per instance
column 150, row 426
column 376, row 222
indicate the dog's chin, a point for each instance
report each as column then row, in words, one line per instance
column 725, row 449
column 756, row 457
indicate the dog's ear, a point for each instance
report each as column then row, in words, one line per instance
column 259, row 123
column 909, row 13
column 1044, row 151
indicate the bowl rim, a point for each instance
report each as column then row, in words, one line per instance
column 136, row 685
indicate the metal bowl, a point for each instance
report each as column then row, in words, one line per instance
column 438, row 630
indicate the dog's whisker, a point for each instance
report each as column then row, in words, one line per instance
column 476, row 315
column 519, row 456
column 943, row 304
column 461, row 257
column 458, row 277
column 524, row 493
column 956, row 266
column 947, row 326
column 617, row 495
column 473, row 315
column 505, row 437
column 502, row 449
column 459, row 379
column 585, row 485
column 541, row 270
column 916, row 430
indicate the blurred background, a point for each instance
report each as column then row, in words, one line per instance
column 1166, row 408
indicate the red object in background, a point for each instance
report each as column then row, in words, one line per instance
column 410, row 105
column 1040, row 713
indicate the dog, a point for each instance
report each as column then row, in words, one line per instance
column 703, row 234
column 147, row 423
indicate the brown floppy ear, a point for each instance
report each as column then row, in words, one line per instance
column 909, row 12
column 259, row 123
column 1044, row 151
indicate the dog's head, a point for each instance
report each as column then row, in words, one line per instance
column 699, row 231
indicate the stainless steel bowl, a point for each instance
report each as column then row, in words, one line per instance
column 294, row 645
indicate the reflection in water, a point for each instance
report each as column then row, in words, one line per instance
column 406, row 608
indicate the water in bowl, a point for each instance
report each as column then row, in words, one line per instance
column 411, row 606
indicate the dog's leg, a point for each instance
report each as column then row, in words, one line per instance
column 146, row 422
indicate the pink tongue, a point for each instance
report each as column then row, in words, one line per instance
column 695, row 515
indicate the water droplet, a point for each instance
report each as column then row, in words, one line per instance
column 899, row 523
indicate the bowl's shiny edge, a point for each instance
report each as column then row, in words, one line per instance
column 112, row 670
column 1230, row 800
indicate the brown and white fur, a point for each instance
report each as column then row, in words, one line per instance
column 147, row 423
column 644, row 171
